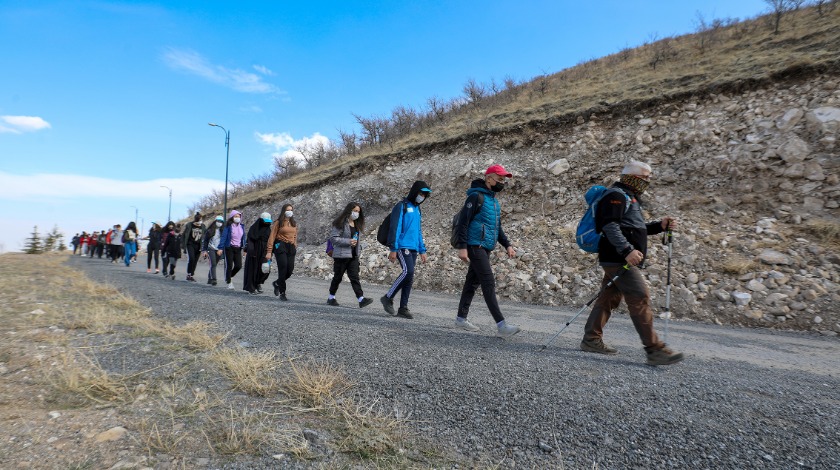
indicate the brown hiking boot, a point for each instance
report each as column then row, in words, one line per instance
column 663, row 357
column 597, row 346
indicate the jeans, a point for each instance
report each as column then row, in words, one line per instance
column 630, row 285
column 351, row 267
column 285, row 256
column 407, row 259
column 130, row 250
column 214, row 260
column 479, row 273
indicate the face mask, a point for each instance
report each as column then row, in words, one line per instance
column 354, row 215
column 638, row 184
column 219, row 224
column 289, row 214
column 419, row 199
column 497, row 187
column 236, row 220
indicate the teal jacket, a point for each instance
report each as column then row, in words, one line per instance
column 484, row 223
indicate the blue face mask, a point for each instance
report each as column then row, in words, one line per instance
column 419, row 199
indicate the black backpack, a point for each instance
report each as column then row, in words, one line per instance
column 453, row 238
column 385, row 227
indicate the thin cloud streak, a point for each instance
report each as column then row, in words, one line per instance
column 21, row 124
column 194, row 63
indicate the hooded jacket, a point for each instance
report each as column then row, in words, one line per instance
column 406, row 228
column 482, row 225
column 229, row 232
column 624, row 228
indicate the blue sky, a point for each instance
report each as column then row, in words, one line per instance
column 103, row 102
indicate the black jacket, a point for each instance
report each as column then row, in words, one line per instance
column 154, row 239
column 193, row 234
column 172, row 245
column 624, row 228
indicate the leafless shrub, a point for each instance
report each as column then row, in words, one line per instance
column 474, row 92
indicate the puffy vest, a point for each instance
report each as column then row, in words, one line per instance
column 484, row 228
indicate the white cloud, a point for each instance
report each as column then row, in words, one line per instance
column 251, row 109
column 21, row 124
column 263, row 70
column 67, row 187
column 194, row 63
column 284, row 144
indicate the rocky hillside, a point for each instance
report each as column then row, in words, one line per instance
column 752, row 176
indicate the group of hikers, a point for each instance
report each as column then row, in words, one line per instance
column 476, row 231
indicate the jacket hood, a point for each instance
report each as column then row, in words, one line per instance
column 478, row 185
column 416, row 188
column 233, row 213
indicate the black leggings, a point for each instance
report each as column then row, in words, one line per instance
column 152, row 252
column 351, row 267
column 285, row 255
column 192, row 258
column 233, row 262
column 479, row 273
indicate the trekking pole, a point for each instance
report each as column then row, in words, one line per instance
column 624, row 269
column 667, row 240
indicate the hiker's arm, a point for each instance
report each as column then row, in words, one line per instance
column 610, row 212
column 467, row 215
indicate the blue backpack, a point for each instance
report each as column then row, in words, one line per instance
column 586, row 236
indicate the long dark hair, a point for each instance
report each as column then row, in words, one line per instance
column 282, row 217
column 170, row 226
column 211, row 229
column 131, row 226
column 345, row 215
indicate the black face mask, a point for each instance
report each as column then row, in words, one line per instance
column 498, row 187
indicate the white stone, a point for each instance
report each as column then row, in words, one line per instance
column 794, row 150
column 692, row 278
column 770, row 256
column 813, row 171
column 818, row 319
column 559, row 166
column 723, row 295
column 789, row 119
column 742, row 298
column 756, row 286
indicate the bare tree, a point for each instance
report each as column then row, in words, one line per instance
column 474, row 92
column 348, row 141
column 437, row 108
column 778, row 8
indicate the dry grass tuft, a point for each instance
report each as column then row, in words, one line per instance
column 827, row 231
column 80, row 375
column 738, row 265
column 369, row 433
column 315, row 384
column 239, row 432
column 251, row 372
column 161, row 439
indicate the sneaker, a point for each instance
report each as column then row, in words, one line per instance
column 506, row 330
column 332, row 302
column 663, row 357
column 157, row 271
column 230, row 285
column 172, row 277
column 465, row 325
column 276, row 288
column 148, row 270
column 259, row 290
column 388, row 305
column 283, row 297
column 403, row 312
column 365, row 302
column 209, row 281
column 213, row 283
column 253, row 292
column 597, row 346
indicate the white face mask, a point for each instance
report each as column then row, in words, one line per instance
column 419, row 199
column 236, row 220
column 289, row 214
column 354, row 215
column 219, row 224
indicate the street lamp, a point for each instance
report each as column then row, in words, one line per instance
column 169, row 217
column 136, row 213
column 227, row 159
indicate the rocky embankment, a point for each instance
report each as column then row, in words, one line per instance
column 753, row 178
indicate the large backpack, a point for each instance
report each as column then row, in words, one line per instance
column 385, row 226
column 453, row 237
column 586, row 236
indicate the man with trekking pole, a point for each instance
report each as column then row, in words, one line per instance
column 621, row 252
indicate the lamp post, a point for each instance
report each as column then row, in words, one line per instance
column 136, row 213
column 227, row 160
column 169, row 216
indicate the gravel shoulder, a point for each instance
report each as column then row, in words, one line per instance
column 743, row 398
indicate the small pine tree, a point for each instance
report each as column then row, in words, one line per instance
column 54, row 241
column 33, row 243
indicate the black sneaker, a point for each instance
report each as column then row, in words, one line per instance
column 663, row 357
column 253, row 292
column 209, row 281
column 259, row 290
column 404, row 313
column 597, row 346
column 365, row 302
column 276, row 288
column 332, row 302
column 214, row 282
column 283, row 297
column 388, row 305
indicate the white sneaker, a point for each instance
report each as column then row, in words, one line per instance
column 230, row 285
column 508, row 330
column 466, row 325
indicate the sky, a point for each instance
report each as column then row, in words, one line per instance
column 102, row 103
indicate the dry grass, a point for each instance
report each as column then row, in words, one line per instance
column 316, row 385
column 369, row 433
column 738, row 265
column 252, row 372
column 80, row 375
column 239, row 432
column 826, row 231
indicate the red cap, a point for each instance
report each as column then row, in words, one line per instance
column 499, row 170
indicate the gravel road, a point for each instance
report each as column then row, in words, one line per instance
column 743, row 398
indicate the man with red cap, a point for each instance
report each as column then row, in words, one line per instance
column 478, row 229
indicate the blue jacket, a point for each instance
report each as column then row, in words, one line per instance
column 405, row 231
column 485, row 223
column 224, row 242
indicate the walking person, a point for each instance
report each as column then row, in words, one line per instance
column 153, row 247
column 345, row 235
column 192, row 239
column 210, row 247
column 100, row 244
column 618, row 217
column 75, row 241
column 282, row 241
column 172, row 248
column 129, row 239
column 479, row 228
column 255, row 249
column 83, row 240
column 405, row 241
column 232, row 242
column 116, row 243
